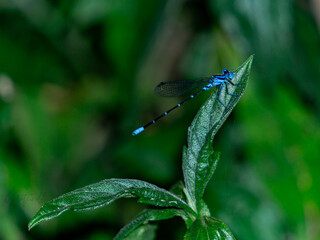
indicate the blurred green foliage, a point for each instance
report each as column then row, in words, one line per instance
column 76, row 77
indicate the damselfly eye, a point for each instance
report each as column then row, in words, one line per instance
column 225, row 71
column 231, row 75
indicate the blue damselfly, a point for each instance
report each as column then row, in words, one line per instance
column 180, row 88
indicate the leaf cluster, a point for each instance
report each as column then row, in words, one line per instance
column 186, row 200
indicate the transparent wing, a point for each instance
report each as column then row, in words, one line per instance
column 179, row 88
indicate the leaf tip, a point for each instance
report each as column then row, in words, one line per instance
column 246, row 66
column 30, row 225
column 249, row 61
column 250, row 58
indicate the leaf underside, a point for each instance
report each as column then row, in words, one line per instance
column 105, row 192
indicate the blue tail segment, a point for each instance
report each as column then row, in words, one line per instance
column 177, row 88
column 137, row 131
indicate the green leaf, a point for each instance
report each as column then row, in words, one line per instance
column 105, row 192
column 177, row 189
column 206, row 166
column 205, row 125
column 207, row 228
column 147, row 216
column 145, row 232
column 205, row 211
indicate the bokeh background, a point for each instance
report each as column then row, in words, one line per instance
column 77, row 77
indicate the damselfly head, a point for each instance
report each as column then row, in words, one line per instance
column 225, row 71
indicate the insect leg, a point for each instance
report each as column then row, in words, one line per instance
column 219, row 93
column 228, row 90
column 233, row 84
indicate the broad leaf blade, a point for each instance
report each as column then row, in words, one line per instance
column 147, row 216
column 207, row 122
column 208, row 228
column 105, row 192
column 206, row 166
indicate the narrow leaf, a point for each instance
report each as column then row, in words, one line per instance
column 147, row 216
column 207, row 122
column 105, row 192
column 144, row 232
column 208, row 228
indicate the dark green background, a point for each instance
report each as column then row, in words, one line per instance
column 77, row 77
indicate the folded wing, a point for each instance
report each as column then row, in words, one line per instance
column 179, row 88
